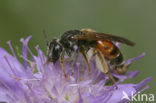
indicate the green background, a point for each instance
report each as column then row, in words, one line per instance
column 133, row 19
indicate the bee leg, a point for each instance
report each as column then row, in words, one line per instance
column 62, row 64
column 105, row 68
column 121, row 69
column 82, row 50
column 95, row 51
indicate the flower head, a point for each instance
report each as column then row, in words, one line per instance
column 34, row 81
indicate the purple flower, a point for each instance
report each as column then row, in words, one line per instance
column 34, row 81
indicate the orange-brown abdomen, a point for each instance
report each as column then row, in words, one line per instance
column 110, row 51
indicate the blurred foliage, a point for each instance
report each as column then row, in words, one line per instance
column 133, row 19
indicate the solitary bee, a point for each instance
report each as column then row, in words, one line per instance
column 85, row 39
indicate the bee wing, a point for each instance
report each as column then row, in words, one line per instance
column 89, row 35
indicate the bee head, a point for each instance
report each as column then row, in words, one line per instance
column 54, row 50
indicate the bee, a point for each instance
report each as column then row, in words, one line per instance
column 85, row 39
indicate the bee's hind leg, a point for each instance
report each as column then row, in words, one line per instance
column 120, row 69
column 105, row 68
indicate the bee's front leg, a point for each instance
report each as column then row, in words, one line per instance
column 62, row 63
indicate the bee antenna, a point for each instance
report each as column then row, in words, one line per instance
column 45, row 36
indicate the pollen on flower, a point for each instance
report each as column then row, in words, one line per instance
column 34, row 81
